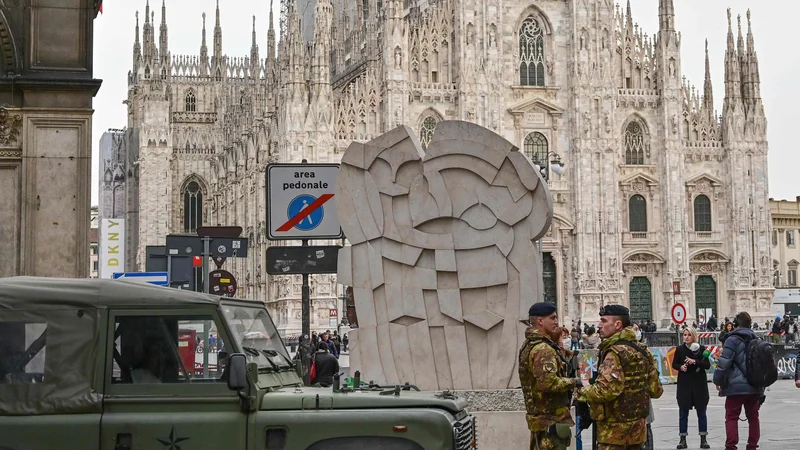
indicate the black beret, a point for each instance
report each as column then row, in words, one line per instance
column 614, row 310
column 542, row 309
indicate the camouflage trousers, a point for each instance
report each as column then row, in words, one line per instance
column 619, row 447
column 543, row 440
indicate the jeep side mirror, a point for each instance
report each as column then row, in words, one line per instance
column 237, row 372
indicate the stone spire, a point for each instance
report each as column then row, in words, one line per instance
column 320, row 69
column 666, row 15
column 137, row 47
column 217, row 60
column 752, row 91
column 163, row 42
column 255, row 63
column 271, row 40
column 708, row 92
column 204, row 51
column 733, row 90
column 741, row 55
column 148, row 36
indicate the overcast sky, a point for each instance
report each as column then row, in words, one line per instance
column 696, row 20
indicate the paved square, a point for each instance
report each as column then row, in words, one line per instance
column 780, row 424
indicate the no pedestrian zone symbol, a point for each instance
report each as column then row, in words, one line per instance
column 305, row 212
column 301, row 201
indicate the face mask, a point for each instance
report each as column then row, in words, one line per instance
column 638, row 335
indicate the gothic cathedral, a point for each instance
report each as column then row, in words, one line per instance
column 657, row 188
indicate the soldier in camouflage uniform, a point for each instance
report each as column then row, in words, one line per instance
column 545, row 385
column 627, row 379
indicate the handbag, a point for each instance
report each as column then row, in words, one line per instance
column 312, row 373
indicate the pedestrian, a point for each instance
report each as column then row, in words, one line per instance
column 691, row 362
column 566, row 340
column 776, row 330
column 712, row 323
column 326, row 339
column 327, row 365
column 731, row 381
column 337, row 342
column 591, row 340
column 345, row 341
column 797, row 374
column 546, row 386
column 575, row 336
column 726, row 330
column 626, row 381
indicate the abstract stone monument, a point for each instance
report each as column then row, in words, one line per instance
column 443, row 263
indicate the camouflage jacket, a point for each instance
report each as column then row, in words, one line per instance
column 545, row 385
column 619, row 399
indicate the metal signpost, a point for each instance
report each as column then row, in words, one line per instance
column 301, row 205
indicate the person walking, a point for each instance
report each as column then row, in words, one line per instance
column 627, row 379
column 546, row 386
column 731, row 381
column 691, row 363
column 796, row 374
column 327, row 365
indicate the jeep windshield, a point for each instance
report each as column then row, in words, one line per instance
column 256, row 336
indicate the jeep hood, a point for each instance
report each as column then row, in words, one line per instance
column 306, row 398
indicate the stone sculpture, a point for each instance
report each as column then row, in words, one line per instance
column 443, row 262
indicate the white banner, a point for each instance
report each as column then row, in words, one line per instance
column 112, row 247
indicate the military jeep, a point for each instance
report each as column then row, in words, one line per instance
column 115, row 365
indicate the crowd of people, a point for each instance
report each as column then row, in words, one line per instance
column 618, row 398
column 325, row 349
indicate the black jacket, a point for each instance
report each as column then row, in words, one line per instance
column 692, row 384
column 327, row 367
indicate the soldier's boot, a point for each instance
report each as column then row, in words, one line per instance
column 704, row 442
column 682, row 444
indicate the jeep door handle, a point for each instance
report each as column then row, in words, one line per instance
column 124, row 442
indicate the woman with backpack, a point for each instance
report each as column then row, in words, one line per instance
column 691, row 362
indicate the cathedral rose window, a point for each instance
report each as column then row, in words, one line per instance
column 426, row 131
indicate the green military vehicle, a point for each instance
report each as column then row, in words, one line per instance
column 113, row 365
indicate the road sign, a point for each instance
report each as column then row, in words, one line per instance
column 313, row 259
column 301, row 202
column 333, row 312
column 222, row 282
column 189, row 245
column 679, row 313
column 157, row 278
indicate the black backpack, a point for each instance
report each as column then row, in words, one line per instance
column 761, row 371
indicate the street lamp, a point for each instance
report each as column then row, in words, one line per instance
column 555, row 165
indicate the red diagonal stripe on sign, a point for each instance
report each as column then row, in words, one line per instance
column 305, row 212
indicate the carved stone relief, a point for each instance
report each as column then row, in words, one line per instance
column 414, row 303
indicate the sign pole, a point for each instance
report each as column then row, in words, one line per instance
column 207, row 323
column 306, row 299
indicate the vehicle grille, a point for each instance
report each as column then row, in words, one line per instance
column 464, row 433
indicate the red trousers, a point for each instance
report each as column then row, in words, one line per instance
column 733, row 408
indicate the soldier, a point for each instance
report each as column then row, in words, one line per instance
column 546, row 386
column 627, row 379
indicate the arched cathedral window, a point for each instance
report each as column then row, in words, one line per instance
column 426, row 131
column 637, row 214
column 702, row 213
column 536, row 148
column 192, row 207
column 191, row 102
column 531, row 53
column 635, row 144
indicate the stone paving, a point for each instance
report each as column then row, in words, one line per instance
column 780, row 420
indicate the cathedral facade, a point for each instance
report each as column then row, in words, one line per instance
column 661, row 199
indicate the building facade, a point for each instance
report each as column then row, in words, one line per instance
column 658, row 187
column 46, row 91
column 785, row 248
column 94, row 243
